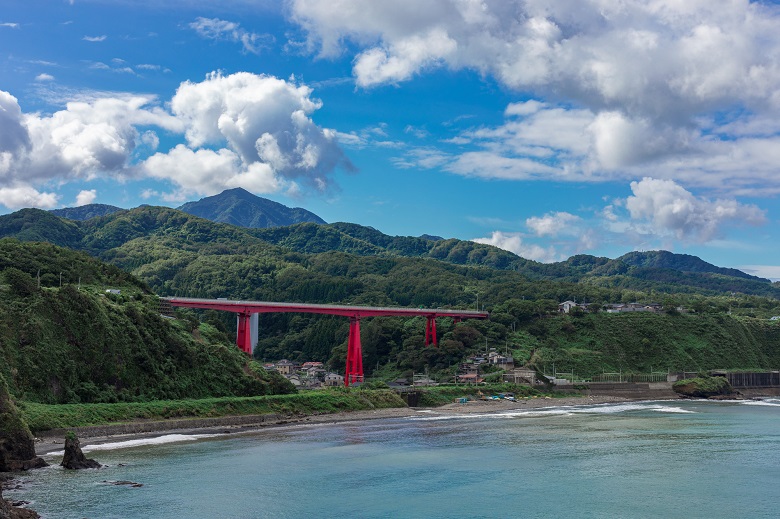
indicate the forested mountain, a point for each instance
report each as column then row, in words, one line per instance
column 682, row 262
column 242, row 208
column 174, row 253
column 85, row 212
column 128, row 238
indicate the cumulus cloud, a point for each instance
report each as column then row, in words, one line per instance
column 44, row 77
column 553, row 224
column 513, row 242
column 623, row 90
column 216, row 29
column 207, row 171
column 17, row 197
column 597, row 52
column 86, row 197
column 663, row 207
column 240, row 130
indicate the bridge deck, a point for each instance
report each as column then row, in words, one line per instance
column 247, row 307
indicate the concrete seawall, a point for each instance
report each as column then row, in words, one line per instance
column 168, row 425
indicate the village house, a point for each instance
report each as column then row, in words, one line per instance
column 470, row 378
column 285, row 367
column 633, row 307
column 334, row 379
column 502, row 361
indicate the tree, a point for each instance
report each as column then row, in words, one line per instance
column 22, row 284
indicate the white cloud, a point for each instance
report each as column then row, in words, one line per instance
column 17, row 197
column 95, row 38
column 619, row 90
column 262, row 119
column 241, row 130
column 216, row 29
column 513, row 242
column 11, row 25
column 553, row 224
column 86, row 197
column 663, row 207
column 594, row 51
column 208, row 172
column 765, row 271
column 44, row 77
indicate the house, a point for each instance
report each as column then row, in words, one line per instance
column 634, row 307
column 566, row 306
column 314, row 372
column 285, row 367
column 423, row 380
column 334, row 379
column 470, row 378
column 502, row 361
column 310, row 364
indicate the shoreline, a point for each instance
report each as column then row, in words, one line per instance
column 53, row 441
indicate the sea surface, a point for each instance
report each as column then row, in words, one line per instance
column 643, row 459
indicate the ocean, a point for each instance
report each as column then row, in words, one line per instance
column 640, row 459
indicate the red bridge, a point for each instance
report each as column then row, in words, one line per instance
column 354, row 372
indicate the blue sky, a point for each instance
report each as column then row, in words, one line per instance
column 550, row 130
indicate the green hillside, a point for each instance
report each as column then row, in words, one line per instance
column 110, row 237
column 168, row 252
column 74, row 342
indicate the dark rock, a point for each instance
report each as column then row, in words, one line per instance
column 132, row 484
column 73, row 458
column 17, row 448
column 10, row 511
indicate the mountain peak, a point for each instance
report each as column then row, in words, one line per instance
column 237, row 206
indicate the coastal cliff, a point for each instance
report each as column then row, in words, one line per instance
column 17, row 450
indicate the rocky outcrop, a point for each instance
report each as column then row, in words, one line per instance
column 73, row 458
column 17, row 449
column 8, row 511
column 704, row 387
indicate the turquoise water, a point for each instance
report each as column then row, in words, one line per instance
column 648, row 459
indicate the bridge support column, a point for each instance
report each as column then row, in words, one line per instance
column 354, row 371
column 244, row 335
column 430, row 332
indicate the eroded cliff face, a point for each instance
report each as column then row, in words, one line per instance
column 17, row 449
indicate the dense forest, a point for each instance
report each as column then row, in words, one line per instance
column 725, row 323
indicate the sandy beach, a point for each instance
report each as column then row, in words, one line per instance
column 91, row 436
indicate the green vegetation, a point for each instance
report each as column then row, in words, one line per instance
column 63, row 339
column 440, row 395
column 703, row 387
column 42, row 417
column 77, row 343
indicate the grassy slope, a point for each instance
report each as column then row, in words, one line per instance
column 41, row 417
column 639, row 342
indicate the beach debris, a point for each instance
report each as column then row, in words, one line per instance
column 73, row 458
